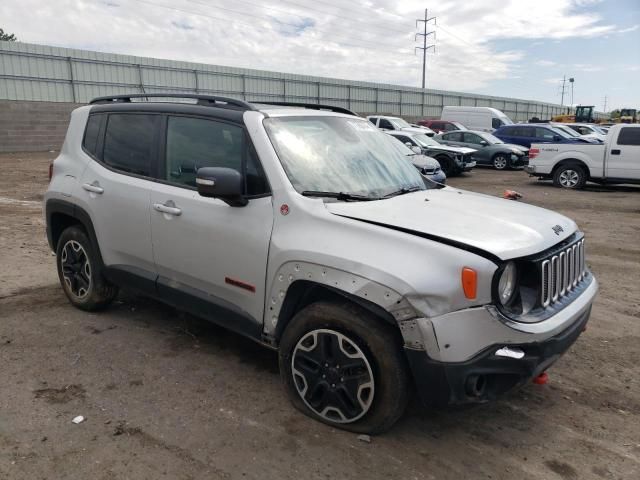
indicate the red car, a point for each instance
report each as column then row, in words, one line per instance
column 440, row 126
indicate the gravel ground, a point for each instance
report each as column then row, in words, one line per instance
column 166, row 395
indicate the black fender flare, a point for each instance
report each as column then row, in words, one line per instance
column 56, row 206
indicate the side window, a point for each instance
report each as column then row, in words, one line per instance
column 256, row 180
column 373, row 120
column 524, row 132
column 90, row 141
column 449, row 127
column 472, row 138
column 453, row 137
column 193, row 143
column 404, row 139
column 544, row 133
column 496, row 123
column 509, row 131
column 384, row 123
column 129, row 142
column 629, row 136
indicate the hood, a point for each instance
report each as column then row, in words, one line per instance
column 423, row 161
column 523, row 149
column 449, row 148
column 423, row 130
column 504, row 228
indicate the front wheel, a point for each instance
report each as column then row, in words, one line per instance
column 500, row 162
column 345, row 367
column 569, row 176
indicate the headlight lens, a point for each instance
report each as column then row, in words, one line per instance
column 507, row 283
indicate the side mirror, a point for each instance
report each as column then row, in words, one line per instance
column 416, row 149
column 483, row 143
column 409, row 144
column 223, row 183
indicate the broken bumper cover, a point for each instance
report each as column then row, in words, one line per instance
column 451, row 369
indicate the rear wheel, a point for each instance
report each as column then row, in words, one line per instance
column 344, row 367
column 500, row 162
column 570, row 176
column 80, row 271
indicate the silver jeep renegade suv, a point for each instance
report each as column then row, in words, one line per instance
column 301, row 227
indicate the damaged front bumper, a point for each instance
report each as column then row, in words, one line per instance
column 475, row 355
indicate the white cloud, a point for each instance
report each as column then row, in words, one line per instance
column 629, row 29
column 545, row 63
column 369, row 40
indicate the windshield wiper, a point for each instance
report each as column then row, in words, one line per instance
column 402, row 191
column 338, row 195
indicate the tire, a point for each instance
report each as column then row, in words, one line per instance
column 80, row 271
column 447, row 166
column 570, row 175
column 314, row 343
column 500, row 162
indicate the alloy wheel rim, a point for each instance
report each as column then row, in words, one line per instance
column 76, row 269
column 569, row 178
column 332, row 376
column 500, row 163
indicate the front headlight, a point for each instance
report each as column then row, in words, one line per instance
column 507, row 283
column 516, row 151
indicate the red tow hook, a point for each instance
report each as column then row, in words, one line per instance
column 541, row 379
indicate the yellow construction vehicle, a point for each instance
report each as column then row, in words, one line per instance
column 583, row 114
column 628, row 115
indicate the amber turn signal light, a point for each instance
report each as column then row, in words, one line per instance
column 469, row 283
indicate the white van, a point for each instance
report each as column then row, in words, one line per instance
column 485, row 119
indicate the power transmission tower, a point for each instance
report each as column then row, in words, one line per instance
column 564, row 80
column 424, row 46
column 605, row 104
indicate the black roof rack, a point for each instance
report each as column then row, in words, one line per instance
column 313, row 106
column 205, row 100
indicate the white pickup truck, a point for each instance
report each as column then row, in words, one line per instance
column 571, row 165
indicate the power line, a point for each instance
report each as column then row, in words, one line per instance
column 253, row 26
column 263, row 17
column 424, row 46
column 354, row 20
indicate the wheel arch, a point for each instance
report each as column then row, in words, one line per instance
column 572, row 161
column 299, row 284
column 60, row 215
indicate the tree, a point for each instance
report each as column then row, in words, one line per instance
column 7, row 37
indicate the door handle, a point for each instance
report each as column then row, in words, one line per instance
column 93, row 187
column 615, row 152
column 168, row 207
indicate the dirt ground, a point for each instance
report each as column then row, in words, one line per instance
column 169, row 396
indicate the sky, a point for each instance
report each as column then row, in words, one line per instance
column 514, row 48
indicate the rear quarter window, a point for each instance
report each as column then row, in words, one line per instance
column 629, row 136
column 90, row 141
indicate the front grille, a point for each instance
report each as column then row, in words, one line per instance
column 561, row 272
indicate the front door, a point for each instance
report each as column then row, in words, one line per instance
column 623, row 155
column 203, row 247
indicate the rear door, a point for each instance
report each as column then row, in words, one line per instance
column 454, row 139
column 623, row 155
column 116, row 187
column 206, row 250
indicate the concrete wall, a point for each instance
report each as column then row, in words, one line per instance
column 33, row 126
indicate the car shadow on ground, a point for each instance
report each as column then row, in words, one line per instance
column 486, row 420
